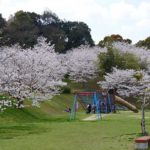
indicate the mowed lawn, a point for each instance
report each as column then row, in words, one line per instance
column 113, row 132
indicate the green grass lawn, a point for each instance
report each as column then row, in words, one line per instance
column 113, row 132
column 49, row 128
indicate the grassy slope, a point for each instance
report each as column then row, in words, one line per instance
column 47, row 111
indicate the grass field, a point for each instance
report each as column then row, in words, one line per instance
column 49, row 128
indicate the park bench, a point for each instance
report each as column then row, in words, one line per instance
column 142, row 143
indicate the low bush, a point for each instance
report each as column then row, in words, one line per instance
column 66, row 90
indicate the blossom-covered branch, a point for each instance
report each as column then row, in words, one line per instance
column 128, row 82
column 82, row 63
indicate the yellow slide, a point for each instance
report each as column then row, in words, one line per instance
column 126, row 104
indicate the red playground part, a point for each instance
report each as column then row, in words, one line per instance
column 143, row 139
column 85, row 93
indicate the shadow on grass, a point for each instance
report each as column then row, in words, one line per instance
column 12, row 131
column 129, row 137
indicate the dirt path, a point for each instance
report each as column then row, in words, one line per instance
column 93, row 117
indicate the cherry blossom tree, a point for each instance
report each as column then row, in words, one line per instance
column 126, row 82
column 82, row 63
column 31, row 73
column 130, row 83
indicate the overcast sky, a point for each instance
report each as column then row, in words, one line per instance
column 129, row 18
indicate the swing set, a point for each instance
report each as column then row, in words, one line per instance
column 99, row 102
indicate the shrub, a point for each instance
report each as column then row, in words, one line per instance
column 113, row 58
column 66, row 90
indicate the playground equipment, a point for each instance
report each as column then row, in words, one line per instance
column 98, row 102
column 122, row 102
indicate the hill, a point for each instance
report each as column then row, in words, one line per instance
column 47, row 111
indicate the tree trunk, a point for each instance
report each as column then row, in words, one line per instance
column 19, row 103
column 143, row 128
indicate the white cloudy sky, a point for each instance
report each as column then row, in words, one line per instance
column 129, row 18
